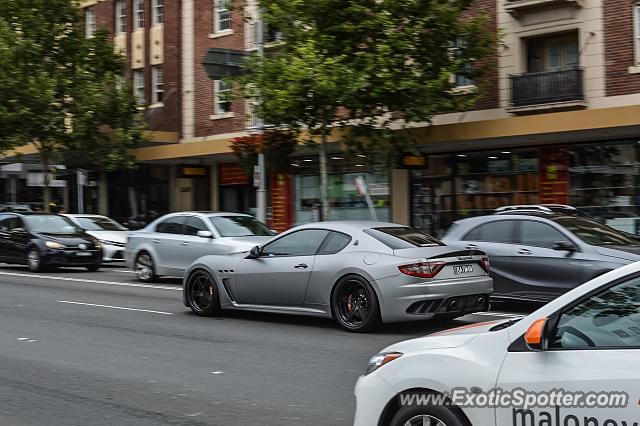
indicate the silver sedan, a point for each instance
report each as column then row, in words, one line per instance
column 358, row 273
column 168, row 245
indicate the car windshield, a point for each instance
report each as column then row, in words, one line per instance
column 595, row 233
column 239, row 226
column 399, row 237
column 50, row 224
column 100, row 224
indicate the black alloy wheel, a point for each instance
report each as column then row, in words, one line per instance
column 202, row 294
column 354, row 305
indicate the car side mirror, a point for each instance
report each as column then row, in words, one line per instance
column 537, row 335
column 205, row 234
column 254, row 253
column 564, row 246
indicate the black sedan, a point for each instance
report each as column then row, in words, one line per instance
column 41, row 240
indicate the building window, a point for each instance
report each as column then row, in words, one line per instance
column 157, row 78
column 138, row 86
column 221, row 92
column 636, row 15
column 158, row 12
column 462, row 79
column 90, row 22
column 121, row 17
column 222, row 16
column 138, row 22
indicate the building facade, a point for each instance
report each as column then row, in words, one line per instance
column 558, row 121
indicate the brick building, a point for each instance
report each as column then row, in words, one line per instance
column 559, row 120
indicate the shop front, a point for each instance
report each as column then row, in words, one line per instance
column 600, row 179
column 357, row 190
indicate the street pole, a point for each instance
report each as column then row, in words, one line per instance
column 79, row 177
column 261, row 193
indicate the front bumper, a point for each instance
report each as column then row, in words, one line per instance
column 372, row 396
column 112, row 253
column 70, row 257
column 404, row 299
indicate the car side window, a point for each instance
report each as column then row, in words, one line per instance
column 300, row 243
column 5, row 223
column 499, row 231
column 172, row 225
column 335, row 243
column 194, row 224
column 610, row 319
column 538, row 234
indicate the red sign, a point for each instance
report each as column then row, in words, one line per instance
column 554, row 175
column 232, row 174
column 281, row 203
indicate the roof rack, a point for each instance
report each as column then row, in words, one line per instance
column 536, row 208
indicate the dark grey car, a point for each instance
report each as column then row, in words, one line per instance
column 538, row 256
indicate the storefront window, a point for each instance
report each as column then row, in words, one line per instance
column 432, row 195
column 356, row 190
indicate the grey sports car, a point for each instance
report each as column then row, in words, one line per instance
column 358, row 273
column 171, row 243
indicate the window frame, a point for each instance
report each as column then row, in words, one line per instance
column 267, row 256
column 139, row 90
column 469, row 83
column 217, row 98
column 90, row 23
column 157, row 84
column 121, row 17
column 138, row 15
column 636, row 31
column 180, row 220
column 157, row 12
column 222, row 7
column 328, row 239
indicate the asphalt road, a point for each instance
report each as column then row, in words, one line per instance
column 80, row 348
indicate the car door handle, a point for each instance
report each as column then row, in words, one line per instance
column 472, row 247
column 301, row 266
column 184, row 243
column 525, row 252
column 157, row 241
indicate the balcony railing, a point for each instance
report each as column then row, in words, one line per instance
column 547, row 87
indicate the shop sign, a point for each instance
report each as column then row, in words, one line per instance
column 191, row 172
column 410, row 161
column 554, row 175
column 232, row 174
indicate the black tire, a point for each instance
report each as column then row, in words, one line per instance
column 34, row 260
column 440, row 415
column 93, row 268
column 145, row 268
column 202, row 294
column 354, row 305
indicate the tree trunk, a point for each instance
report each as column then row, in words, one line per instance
column 46, row 190
column 324, row 175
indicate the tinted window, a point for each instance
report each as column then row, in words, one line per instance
column 594, row 233
column 99, row 224
column 400, row 237
column 50, row 224
column 539, row 234
column 239, row 226
column 335, row 243
column 499, row 231
column 608, row 319
column 193, row 224
column 5, row 223
column 173, row 225
column 301, row 243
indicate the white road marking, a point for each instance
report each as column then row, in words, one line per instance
column 217, row 372
column 121, row 270
column 22, row 338
column 113, row 307
column 26, row 340
column 81, row 280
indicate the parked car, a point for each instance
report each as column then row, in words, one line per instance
column 358, row 273
column 585, row 342
column 168, row 245
column 42, row 240
column 537, row 255
column 17, row 208
column 110, row 233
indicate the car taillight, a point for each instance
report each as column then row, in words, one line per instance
column 422, row 269
column 484, row 262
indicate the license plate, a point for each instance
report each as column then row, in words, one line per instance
column 83, row 253
column 462, row 269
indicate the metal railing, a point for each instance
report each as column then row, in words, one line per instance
column 545, row 87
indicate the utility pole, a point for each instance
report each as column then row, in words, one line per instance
column 261, row 193
column 80, row 177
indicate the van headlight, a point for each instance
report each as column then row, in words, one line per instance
column 381, row 359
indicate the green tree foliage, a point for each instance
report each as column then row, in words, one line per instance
column 62, row 92
column 372, row 66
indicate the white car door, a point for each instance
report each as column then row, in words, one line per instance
column 593, row 349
